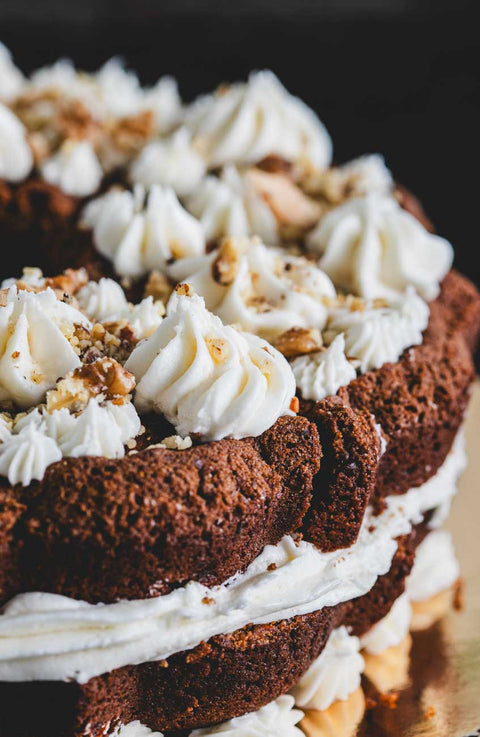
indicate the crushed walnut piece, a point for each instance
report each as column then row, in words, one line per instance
column 176, row 442
column 104, row 378
column 129, row 134
column 69, row 282
column 227, row 261
column 184, row 290
column 299, row 341
column 74, row 121
column 295, row 212
column 158, row 286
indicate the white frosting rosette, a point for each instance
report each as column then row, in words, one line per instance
column 16, row 158
column 266, row 292
column 170, row 161
column 322, row 373
column 379, row 334
column 371, row 247
column 277, row 719
column 74, row 168
column 391, row 630
column 105, row 301
column 436, row 567
column 139, row 231
column 11, row 78
column 208, row 378
column 35, row 347
column 245, row 122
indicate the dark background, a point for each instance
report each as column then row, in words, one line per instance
column 394, row 76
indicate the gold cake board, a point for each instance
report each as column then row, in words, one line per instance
column 441, row 692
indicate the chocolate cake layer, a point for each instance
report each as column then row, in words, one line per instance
column 224, row 677
column 100, row 529
column 346, row 480
column 420, row 401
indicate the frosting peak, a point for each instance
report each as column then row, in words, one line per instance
column 35, row 348
column 171, row 161
column 140, row 232
column 246, row 122
column 74, row 168
column 16, row 158
column 208, row 378
column 370, row 246
column 262, row 289
column 11, row 78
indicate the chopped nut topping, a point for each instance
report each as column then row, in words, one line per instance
column 158, row 286
column 225, row 265
column 105, row 379
column 69, row 282
column 292, row 208
column 130, row 133
column 184, row 290
column 298, row 341
column 74, row 120
column 294, row 404
column 176, row 442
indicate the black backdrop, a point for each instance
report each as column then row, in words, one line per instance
column 395, row 76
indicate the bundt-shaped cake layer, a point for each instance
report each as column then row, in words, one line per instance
column 418, row 402
column 101, row 529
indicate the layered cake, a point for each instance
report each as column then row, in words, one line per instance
column 233, row 377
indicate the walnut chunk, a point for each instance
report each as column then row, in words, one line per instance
column 184, row 290
column 227, row 261
column 158, row 286
column 69, row 282
column 292, row 208
column 299, row 341
column 105, row 377
column 129, row 134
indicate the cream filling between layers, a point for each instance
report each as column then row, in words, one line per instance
column 51, row 637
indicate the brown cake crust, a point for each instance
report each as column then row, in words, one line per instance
column 100, row 529
column 418, row 402
column 224, row 677
column 346, row 480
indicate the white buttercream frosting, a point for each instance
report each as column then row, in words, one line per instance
column 46, row 636
column 39, row 438
column 11, row 78
column 34, row 345
column 356, row 178
column 245, row 122
column 230, row 205
column 269, row 291
column 135, row 729
column 74, row 168
column 209, row 378
column 436, row 567
column 334, row 675
column 16, row 158
column 277, row 719
column 25, row 456
column 322, row 373
column 379, row 334
column 105, row 301
column 370, row 246
column 164, row 101
column 140, row 232
column 391, row 630
column 170, row 161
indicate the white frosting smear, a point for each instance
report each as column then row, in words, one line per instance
column 171, row 161
column 34, row 345
column 245, row 122
column 334, row 675
column 16, row 158
column 436, row 567
column 140, row 232
column 266, row 293
column 276, row 719
column 209, row 378
column 378, row 335
column 321, row 374
column 370, row 246
column 50, row 637
column 391, row 630
column 74, row 168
